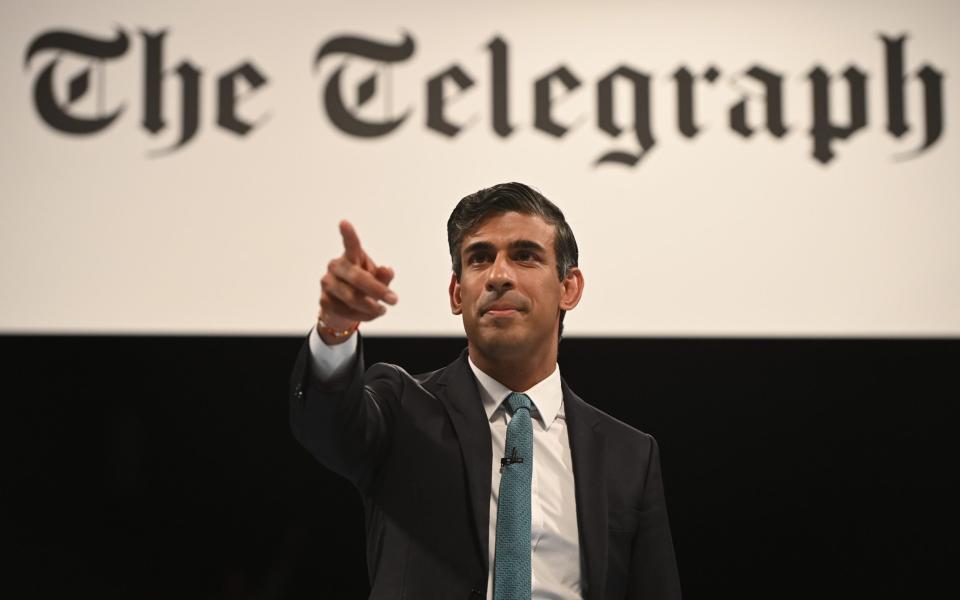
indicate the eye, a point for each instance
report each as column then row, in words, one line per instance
column 525, row 255
column 477, row 257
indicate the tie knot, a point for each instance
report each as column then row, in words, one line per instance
column 517, row 401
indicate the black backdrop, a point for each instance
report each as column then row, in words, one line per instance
column 163, row 467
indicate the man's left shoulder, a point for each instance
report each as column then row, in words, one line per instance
column 611, row 427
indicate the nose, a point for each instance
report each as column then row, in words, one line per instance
column 501, row 276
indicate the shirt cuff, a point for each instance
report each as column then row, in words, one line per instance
column 331, row 362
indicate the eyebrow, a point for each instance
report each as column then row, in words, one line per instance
column 515, row 245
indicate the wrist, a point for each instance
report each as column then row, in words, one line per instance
column 334, row 330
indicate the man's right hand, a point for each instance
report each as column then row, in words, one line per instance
column 352, row 288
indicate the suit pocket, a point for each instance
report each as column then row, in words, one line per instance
column 621, row 527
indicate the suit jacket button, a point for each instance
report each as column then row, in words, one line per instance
column 476, row 595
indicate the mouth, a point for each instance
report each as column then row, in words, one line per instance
column 501, row 312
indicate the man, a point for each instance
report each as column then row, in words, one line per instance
column 488, row 478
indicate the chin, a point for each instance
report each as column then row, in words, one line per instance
column 500, row 341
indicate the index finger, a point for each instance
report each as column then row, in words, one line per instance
column 351, row 243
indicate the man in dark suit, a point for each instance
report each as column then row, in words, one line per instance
column 488, row 478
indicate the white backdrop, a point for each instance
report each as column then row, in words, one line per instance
column 715, row 235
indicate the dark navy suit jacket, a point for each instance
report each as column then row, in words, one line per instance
column 418, row 449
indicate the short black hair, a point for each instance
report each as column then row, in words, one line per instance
column 511, row 197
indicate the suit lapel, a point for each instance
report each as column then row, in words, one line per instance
column 457, row 389
column 587, row 450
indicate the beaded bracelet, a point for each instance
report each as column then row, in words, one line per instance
column 337, row 333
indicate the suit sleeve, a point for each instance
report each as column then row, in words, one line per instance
column 345, row 423
column 653, row 566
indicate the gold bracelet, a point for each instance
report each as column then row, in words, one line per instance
column 336, row 333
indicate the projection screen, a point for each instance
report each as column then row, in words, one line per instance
column 741, row 168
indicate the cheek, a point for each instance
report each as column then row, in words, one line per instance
column 549, row 295
column 468, row 296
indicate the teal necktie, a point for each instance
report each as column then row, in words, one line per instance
column 511, row 570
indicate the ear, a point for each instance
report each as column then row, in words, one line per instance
column 456, row 303
column 572, row 289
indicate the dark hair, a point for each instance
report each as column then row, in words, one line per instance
column 511, row 197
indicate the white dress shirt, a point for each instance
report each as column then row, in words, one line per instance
column 555, row 547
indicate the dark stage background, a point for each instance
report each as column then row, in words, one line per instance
column 163, row 467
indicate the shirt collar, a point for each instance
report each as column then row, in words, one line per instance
column 546, row 396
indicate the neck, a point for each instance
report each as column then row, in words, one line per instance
column 520, row 371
